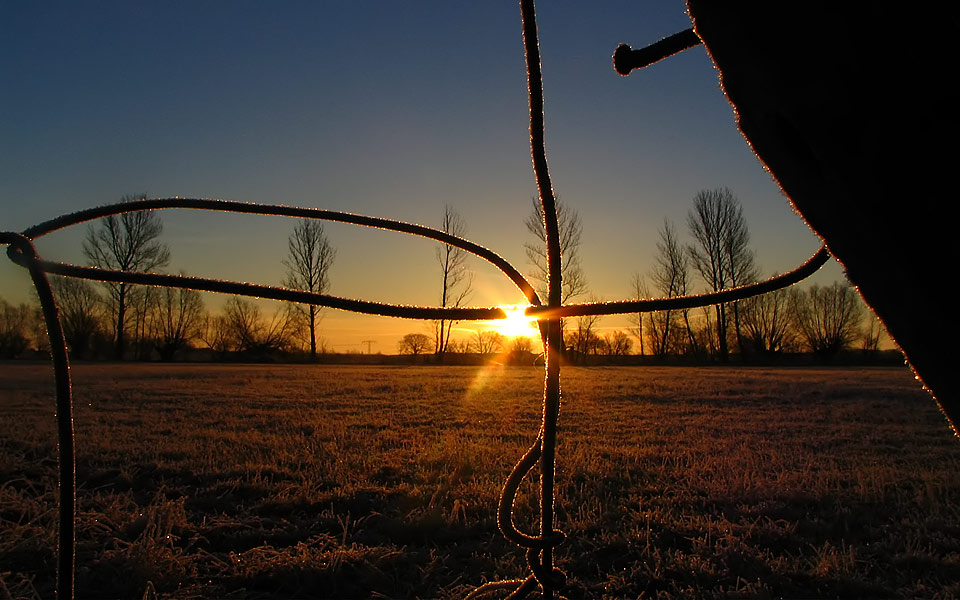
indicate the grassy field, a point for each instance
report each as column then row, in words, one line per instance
column 368, row 482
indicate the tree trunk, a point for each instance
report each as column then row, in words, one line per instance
column 313, row 333
column 736, row 326
column 120, row 342
column 722, row 351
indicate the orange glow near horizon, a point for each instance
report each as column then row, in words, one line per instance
column 517, row 324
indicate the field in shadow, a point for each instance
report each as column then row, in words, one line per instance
column 361, row 481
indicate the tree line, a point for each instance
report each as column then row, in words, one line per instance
column 822, row 320
column 123, row 321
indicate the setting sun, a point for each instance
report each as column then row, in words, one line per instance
column 517, row 324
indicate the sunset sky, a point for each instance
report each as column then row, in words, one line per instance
column 381, row 108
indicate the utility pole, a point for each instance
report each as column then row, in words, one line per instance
column 369, row 343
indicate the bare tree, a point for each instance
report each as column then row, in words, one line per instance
column 177, row 319
column 310, row 257
column 827, row 318
column 573, row 283
column 14, row 329
column 249, row 331
column 520, row 350
column 617, row 343
column 670, row 275
column 143, row 303
column 80, row 313
column 766, row 322
column 216, row 335
column 127, row 242
column 640, row 292
column 38, row 329
column 720, row 251
column 583, row 340
column 487, row 342
column 456, row 277
column 572, row 278
column 458, row 346
column 415, row 344
column 870, row 334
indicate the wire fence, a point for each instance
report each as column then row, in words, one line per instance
column 539, row 546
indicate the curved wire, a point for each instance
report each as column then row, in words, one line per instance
column 508, row 496
column 369, row 307
column 66, row 455
column 90, row 214
column 274, row 293
column 22, row 252
column 807, row 268
column 539, row 548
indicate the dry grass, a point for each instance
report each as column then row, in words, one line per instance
column 309, row 481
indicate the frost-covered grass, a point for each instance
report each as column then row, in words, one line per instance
column 339, row 481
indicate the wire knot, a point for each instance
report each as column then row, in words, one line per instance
column 20, row 249
column 550, row 578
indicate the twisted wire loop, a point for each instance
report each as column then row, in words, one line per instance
column 539, row 547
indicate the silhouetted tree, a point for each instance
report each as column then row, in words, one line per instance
column 640, row 292
column 767, row 328
column 573, row 282
column 14, row 329
column 415, row 344
column 720, row 251
column 520, row 350
column 458, row 346
column 38, row 329
column 127, row 242
column 80, row 313
column 486, row 342
column 456, row 277
column 177, row 319
column 249, row 331
column 583, row 340
column 827, row 318
column 216, row 335
column 617, row 343
column 310, row 257
column 670, row 276
column 143, row 303
column 870, row 334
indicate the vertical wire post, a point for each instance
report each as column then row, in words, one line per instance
column 66, row 460
column 554, row 342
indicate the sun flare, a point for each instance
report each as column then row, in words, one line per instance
column 517, row 324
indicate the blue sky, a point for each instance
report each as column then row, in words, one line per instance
column 380, row 108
